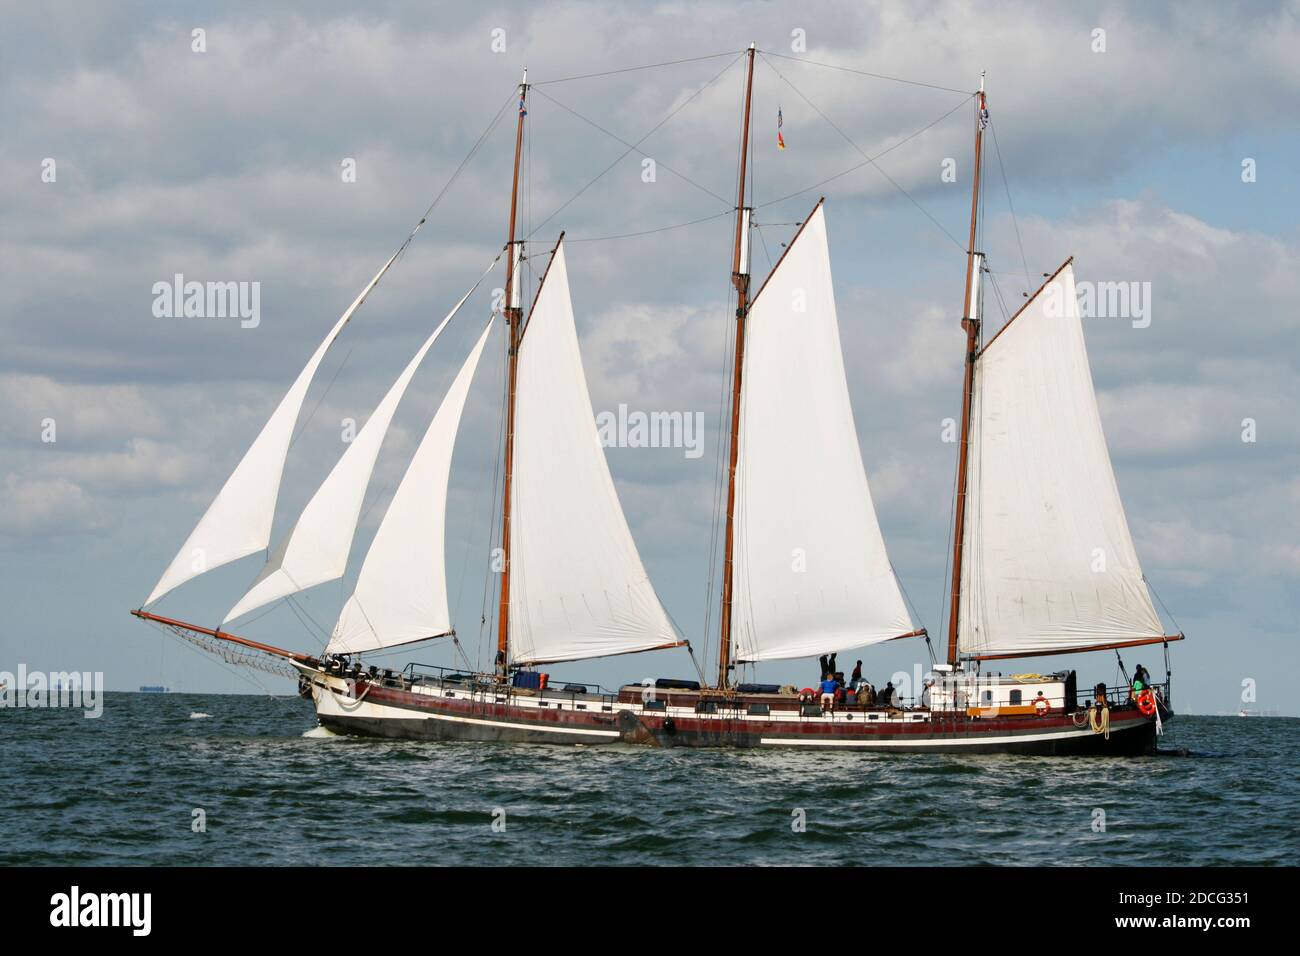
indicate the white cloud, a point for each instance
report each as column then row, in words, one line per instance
column 46, row 508
column 80, row 412
column 141, row 467
column 225, row 165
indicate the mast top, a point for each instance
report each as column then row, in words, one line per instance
column 751, row 46
column 524, row 81
column 981, row 79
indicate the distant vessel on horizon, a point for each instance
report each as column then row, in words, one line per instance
column 1043, row 562
column 154, row 689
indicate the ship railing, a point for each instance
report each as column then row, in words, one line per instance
column 1118, row 694
column 594, row 693
column 433, row 675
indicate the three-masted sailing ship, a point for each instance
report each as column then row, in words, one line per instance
column 1042, row 558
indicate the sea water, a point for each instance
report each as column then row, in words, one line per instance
column 255, row 781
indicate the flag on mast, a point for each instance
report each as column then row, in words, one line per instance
column 780, row 121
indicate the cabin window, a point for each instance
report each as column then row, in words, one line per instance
column 988, row 696
column 1015, row 698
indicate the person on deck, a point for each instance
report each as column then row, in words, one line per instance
column 829, row 686
column 866, row 694
column 1141, row 679
column 825, row 663
column 886, row 696
column 856, row 678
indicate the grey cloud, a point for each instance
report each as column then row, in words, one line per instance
column 226, row 166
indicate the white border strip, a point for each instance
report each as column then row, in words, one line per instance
column 378, row 711
column 925, row 742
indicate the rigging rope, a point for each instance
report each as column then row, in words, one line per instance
column 997, row 291
column 633, row 69
column 975, row 461
column 744, row 596
column 1099, row 718
column 945, row 594
column 319, row 401
column 1029, row 285
column 464, row 563
column 857, row 166
column 871, row 159
column 686, row 102
column 402, row 248
column 498, row 492
column 916, row 615
column 877, row 76
column 227, row 654
column 301, row 612
column 1163, row 607
column 716, row 532
column 461, row 168
column 632, row 146
column 632, row 235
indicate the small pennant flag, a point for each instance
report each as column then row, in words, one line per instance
column 523, row 111
column 780, row 121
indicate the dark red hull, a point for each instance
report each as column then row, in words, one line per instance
column 501, row 714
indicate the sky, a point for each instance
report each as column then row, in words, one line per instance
column 1164, row 150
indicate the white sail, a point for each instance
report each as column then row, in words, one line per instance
column 1048, row 563
column 577, row 585
column 238, row 522
column 316, row 550
column 811, row 574
column 401, row 592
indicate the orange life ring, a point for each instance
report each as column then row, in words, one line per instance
column 1041, row 706
column 1146, row 702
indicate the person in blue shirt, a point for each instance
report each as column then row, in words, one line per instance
column 829, row 686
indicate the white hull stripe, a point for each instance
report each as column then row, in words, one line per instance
column 382, row 712
column 970, row 740
column 542, row 728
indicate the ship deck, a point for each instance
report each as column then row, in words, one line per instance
column 475, row 707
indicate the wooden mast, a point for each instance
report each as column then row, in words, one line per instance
column 514, row 317
column 971, row 323
column 739, row 278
